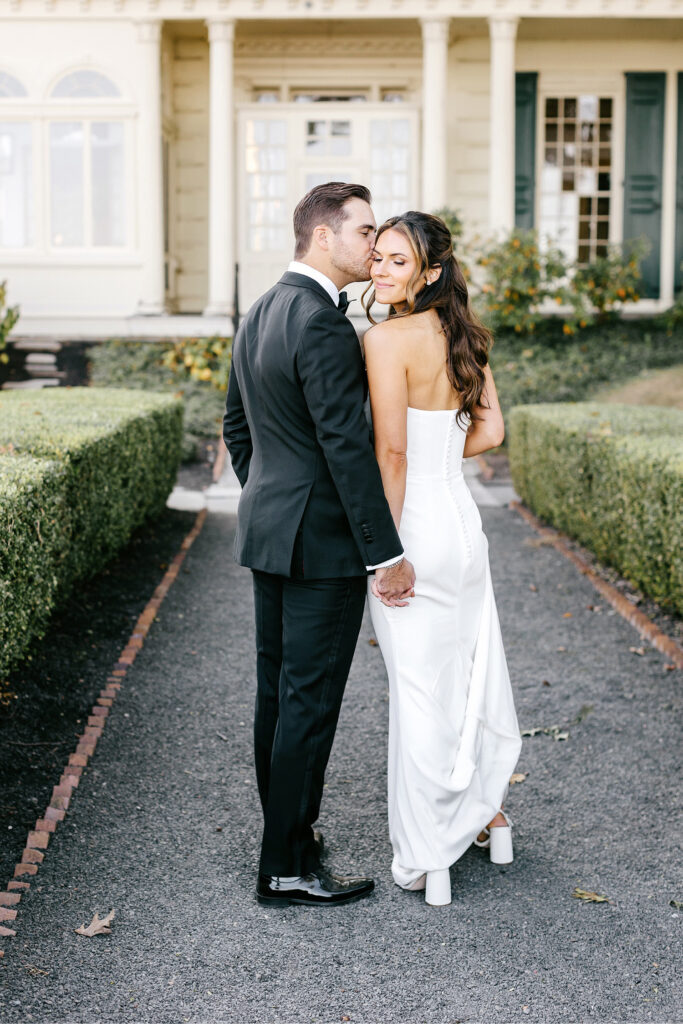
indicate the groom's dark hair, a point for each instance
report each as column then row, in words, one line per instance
column 324, row 204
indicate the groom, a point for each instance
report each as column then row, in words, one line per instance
column 312, row 522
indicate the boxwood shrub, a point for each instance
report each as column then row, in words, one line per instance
column 80, row 470
column 612, row 477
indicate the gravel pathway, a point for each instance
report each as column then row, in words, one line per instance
column 164, row 828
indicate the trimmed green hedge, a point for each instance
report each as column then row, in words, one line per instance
column 79, row 471
column 612, row 477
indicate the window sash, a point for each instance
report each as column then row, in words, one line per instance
column 92, row 235
column 17, row 190
column 576, row 179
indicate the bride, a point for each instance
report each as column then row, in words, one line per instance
column 453, row 733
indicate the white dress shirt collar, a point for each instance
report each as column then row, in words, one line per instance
column 303, row 268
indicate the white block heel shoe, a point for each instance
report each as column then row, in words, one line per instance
column 498, row 842
column 438, row 888
column 500, row 850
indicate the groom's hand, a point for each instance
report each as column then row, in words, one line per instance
column 394, row 584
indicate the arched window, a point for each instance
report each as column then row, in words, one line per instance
column 87, row 164
column 10, row 86
column 84, row 85
column 16, row 169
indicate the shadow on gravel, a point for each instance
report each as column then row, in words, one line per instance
column 45, row 702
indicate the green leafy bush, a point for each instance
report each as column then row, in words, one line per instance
column 149, row 365
column 519, row 278
column 8, row 318
column 609, row 281
column 522, row 279
column 612, row 477
column 36, row 527
column 80, row 470
column 550, row 366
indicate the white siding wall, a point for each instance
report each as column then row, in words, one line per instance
column 59, row 283
column 190, row 201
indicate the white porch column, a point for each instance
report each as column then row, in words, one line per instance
column 434, row 105
column 221, row 168
column 502, row 31
column 150, row 171
column 668, row 240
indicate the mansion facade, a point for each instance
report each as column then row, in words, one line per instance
column 152, row 151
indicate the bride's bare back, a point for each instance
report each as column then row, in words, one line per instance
column 420, row 345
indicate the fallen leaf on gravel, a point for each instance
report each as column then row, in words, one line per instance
column 562, row 648
column 669, row 668
column 372, row 642
column 97, row 926
column 637, row 650
column 567, row 615
column 676, row 903
column 590, row 897
column 532, row 586
column 518, row 777
column 32, row 969
column 546, row 682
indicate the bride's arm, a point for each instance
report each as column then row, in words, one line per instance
column 388, row 383
column 489, row 430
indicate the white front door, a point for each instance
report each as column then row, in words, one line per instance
column 286, row 149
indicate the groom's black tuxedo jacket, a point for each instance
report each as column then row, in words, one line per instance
column 299, row 440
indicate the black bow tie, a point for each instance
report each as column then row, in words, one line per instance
column 344, row 301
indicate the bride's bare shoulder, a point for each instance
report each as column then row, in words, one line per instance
column 394, row 329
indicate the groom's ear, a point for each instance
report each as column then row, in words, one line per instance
column 321, row 235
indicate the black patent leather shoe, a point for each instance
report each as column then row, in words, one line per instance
column 319, row 889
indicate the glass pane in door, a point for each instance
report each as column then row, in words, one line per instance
column 389, row 166
column 266, row 167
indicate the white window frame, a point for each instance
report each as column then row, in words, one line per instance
column 40, row 114
column 76, row 116
column 554, row 85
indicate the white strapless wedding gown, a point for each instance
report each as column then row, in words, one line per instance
column 453, row 733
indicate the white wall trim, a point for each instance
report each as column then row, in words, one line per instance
column 334, row 9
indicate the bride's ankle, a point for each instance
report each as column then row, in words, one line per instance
column 499, row 821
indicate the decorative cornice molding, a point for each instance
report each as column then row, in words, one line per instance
column 337, row 45
column 341, row 9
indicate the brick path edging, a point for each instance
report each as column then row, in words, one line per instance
column 39, row 837
column 645, row 626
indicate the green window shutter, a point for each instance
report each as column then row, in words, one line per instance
column 645, row 93
column 525, row 148
column 679, row 188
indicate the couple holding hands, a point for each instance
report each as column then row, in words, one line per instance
column 327, row 517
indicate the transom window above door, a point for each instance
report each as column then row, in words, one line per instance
column 576, row 175
column 284, row 94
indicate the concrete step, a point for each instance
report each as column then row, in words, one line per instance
column 38, row 345
column 30, row 385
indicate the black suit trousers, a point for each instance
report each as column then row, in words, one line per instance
column 306, row 633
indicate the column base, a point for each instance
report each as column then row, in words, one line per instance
column 223, row 309
column 150, row 308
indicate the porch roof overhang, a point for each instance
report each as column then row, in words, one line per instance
column 180, row 10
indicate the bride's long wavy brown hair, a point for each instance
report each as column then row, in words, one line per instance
column 467, row 340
